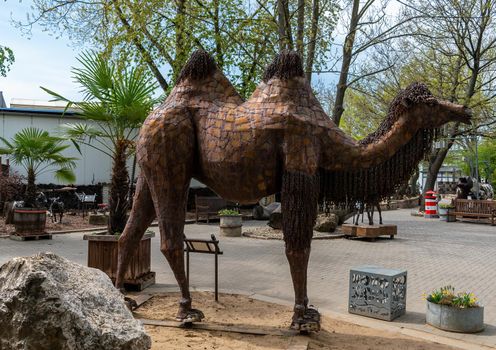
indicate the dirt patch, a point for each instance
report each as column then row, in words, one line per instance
column 243, row 311
column 69, row 222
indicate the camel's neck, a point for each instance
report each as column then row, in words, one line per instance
column 339, row 152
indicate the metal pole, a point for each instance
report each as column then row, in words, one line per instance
column 216, row 276
column 477, row 167
column 187, row 267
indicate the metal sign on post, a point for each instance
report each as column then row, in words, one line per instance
column 205, row 246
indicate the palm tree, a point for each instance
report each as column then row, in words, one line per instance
column 115, row 103
column 37, row 152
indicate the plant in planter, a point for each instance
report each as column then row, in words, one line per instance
column 231, row 222
column 102, row 254
column 455, row 312
column 445, row 210
column 116, row 102
column 37, row 152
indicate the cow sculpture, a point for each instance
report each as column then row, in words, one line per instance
column 279, row 140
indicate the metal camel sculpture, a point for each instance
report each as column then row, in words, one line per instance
column 279, row 140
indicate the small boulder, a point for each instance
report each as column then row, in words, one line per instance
column 275, row 218
column 326, row 223
column 263, row 213
column 48, row 302
column 258, row 213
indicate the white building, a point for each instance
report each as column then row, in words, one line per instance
column 91, row 168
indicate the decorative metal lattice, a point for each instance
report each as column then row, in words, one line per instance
column 377, row 292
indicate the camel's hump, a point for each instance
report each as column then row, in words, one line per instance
column 199, row 66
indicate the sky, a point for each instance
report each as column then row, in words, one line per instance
column 40, row 60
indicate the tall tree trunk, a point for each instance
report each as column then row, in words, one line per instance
column 180, row 38
column 412, row 184
column 301, row 27
column 284, row 25
column 30, row 200
column 219, row 56
column 119, row 188
column 131, row 183
column 313, row 40
column 345, row 64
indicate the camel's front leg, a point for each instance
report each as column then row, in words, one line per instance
column 299, row 209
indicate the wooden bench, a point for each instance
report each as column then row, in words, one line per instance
column 208, row 206
column 478, row 209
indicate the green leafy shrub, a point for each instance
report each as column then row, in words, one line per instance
column 446, row 206
column 226, row 212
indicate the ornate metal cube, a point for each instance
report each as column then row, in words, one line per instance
column 377, row 292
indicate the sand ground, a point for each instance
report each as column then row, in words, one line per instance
column 243, row 311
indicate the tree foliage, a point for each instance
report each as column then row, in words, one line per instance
column 6, row 60
column 242, row 35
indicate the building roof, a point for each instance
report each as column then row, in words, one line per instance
column 34, row 111
column 38, row 104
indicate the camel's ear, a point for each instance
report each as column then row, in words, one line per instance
column 407, row 102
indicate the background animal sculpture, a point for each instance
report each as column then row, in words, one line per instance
column 279, row 140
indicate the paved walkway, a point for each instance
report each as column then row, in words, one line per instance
column 434, row 253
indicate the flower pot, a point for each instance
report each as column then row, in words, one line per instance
column 446, row 214
column 102, row 254
column 29, row 222
column 230, row 225
column 451, row 215
column 443, row 214
column 454, row 319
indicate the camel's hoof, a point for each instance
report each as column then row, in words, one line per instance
column 309, row 323
column 191, row 316
column 130, row 303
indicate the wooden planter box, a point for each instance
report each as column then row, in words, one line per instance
column 29, row 224
column 103, row 252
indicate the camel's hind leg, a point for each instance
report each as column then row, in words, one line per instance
column 299, row 209
column 140, row 218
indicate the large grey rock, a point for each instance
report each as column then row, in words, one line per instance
column 326, row 223
column 48, row 302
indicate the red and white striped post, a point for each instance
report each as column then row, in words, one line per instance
column 430, row 205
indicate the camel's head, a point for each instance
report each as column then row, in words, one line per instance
column 431, row 111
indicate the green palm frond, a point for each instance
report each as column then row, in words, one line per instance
column 96, row 77
column 65, row 175
column 80, row 131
